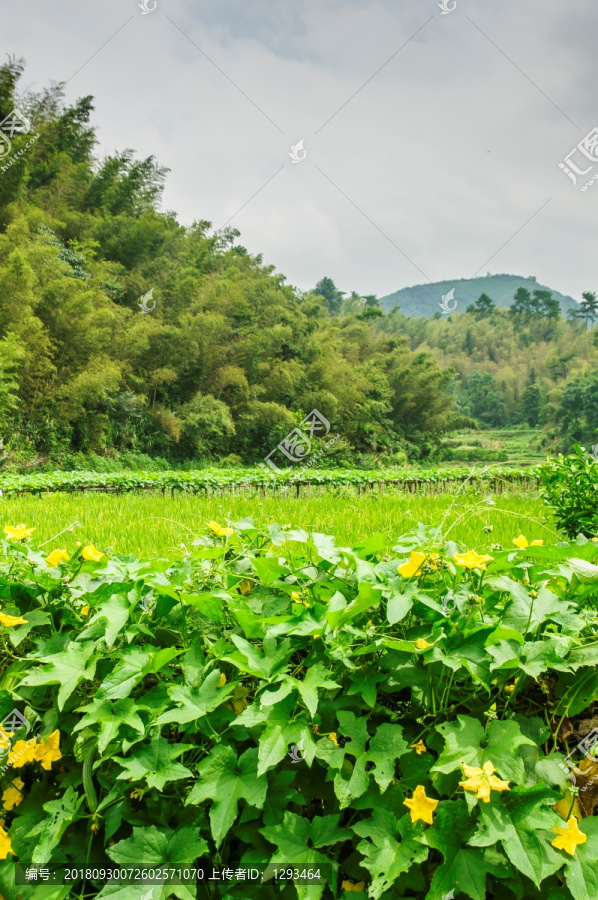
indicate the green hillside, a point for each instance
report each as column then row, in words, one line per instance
column 424, row 299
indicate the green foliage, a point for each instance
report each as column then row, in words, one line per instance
column 483, row 307
column 274, row 698
column 202, row 480
column 481, row 399
column 588, row 309
column 570, row 488
column 327, row 289
column 513, row 366
column 229, row 360
column 576, row 413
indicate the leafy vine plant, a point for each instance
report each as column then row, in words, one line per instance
column 272, row 700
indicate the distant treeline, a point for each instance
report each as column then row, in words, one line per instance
column 223, row 358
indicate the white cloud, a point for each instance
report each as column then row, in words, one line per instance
column 449, row 149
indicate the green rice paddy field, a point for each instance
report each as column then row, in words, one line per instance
column 152, row 525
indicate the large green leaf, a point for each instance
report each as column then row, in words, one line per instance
column 61, row 813
column 279, row 733
column 467, row 742
column 383, row 749
column 297, row 840
column 316, row 678
column 76, row 663
column 226, row 780
column 116, row 612
column 463, row 868
column 195, row 703
column 136, row 663
column 110, row 716
column 260, row 665
column 155, row 763
column 153, row 847
column 522, row 823
column 390, row 847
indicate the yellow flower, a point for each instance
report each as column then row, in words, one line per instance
column 332, row 737
column 47, row 751
column 91, row 552
column 482, row 782
column 411, row 568
column 57, row 556
column 421, row 807
column 348, row 886
column 5, row 844
column 219, row 530
column 12, row 796
column 222, row 680
column 136, row 794
column 422, row 644
column 85, row 610
column 296, row 596
column 5, row 740
column 522, row 542
column 419, row 748
column 472, row 560
column 569, row 837
column 8, row 621
column 22, row 753
column 244, row 587
column 17, row 533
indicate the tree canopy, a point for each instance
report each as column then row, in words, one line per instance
column 225, row 358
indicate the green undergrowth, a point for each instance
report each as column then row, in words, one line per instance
column 198, row 481
column 274, row 697
column 570, row 490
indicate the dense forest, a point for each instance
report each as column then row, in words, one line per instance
column 223, row 357
column 520, row 365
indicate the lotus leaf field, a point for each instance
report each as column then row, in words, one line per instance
column 407, row 721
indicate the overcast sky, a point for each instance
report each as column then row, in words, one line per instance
column 433, row 141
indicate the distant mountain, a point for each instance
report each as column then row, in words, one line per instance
column 424, row 299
